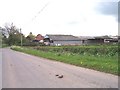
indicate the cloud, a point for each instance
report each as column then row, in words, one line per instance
column 109, row 8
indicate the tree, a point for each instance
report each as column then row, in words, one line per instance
column 3, row 36
column 14, row 35
column 0, row 36
column 30, row 37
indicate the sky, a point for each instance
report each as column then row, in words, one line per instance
column 71, row 17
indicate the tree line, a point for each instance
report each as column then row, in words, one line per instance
column 11, row 35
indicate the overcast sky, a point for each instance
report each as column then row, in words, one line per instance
column 75, row 17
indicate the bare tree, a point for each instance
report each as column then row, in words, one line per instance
column 11, row 29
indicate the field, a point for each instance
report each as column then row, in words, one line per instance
column 98, row 57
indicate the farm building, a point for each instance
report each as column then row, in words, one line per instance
column 86, row 39
column 108, row 39
column 98, row 39
column 95, row 40
column 38, row 38
column 113, row 39
column 61, row 40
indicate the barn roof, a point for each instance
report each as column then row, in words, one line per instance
column 39, row 37
column 85, row 37
column 63, row 37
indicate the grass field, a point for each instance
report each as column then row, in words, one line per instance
column 101, row 58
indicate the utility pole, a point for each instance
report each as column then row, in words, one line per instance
column 21, row 36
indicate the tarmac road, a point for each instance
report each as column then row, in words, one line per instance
column 21, row 70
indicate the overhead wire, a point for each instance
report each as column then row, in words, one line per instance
column 37, row 14
column 40, row 11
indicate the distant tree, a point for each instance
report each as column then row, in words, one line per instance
column 3, row 35
column 12, row 35
column 30, row 37
column 0, row 36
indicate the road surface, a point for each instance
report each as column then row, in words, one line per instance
column 21, row 70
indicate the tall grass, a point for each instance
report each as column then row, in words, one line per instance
column 101, row 50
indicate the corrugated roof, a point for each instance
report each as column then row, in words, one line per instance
column 85, row 37
column 62, row 37
column 103, row 37
column 94, row 37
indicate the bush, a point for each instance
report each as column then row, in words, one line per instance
column 33, row 44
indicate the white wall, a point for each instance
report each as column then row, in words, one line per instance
column 67, row 42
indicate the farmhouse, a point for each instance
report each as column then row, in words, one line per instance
column 61, row 40
column 38, row 38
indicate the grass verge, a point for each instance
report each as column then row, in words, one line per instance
column 4, row 45
column 104, row 64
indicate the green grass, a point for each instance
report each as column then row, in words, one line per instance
column 97, row 62
column 4, row 45
column 99, row 50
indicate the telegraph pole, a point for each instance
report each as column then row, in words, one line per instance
column 21, row 36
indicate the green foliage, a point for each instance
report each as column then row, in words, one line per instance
column 14, row 39
column 4, row 45
column 101, row 50
column 27, row 43
column 12, row 35
column 30, row 37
